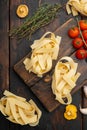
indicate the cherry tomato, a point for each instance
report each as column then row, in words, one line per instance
column 85, row 44
column 73, row 32
column 81, row 54
column 86, row 54
column 84, row 33
column 77, row 42
column 83, row 24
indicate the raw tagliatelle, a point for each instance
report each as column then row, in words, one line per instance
column 44, row 51
column 18, row 110
column 75, row 6
column 64, row 79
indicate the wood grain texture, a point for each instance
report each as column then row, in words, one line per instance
column 49, row 121
column 84, row 99
column 4, row 55
column 4, row 46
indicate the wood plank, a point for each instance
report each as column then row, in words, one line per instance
column 84, row 99
column 19, row 50
column 84, row 105
column 4, row 46
column 4, row 55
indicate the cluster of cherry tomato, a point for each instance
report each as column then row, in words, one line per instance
column 78, row 41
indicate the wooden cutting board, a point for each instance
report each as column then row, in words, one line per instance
column 38, row 86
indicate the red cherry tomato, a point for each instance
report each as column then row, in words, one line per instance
column 83, row 24
column 86, row 54
column 85, row 44
column 81, row 54
column 84, row 33
column 77, row 43
column 73, row 32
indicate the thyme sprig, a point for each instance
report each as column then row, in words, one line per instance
column 43, row 16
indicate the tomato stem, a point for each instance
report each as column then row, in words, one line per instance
column 81, row 32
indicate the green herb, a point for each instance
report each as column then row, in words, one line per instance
column 43, row 16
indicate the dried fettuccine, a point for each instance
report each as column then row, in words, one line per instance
column 44, row 51
column 75, row 6
column 64, row 79
column 18, row 110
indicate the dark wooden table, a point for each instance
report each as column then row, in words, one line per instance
column 11, row 52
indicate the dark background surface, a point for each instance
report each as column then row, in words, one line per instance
column 11, row 52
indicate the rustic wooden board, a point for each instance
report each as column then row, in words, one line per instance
column 41, row 89
column 65, row 49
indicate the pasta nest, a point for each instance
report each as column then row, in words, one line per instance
column 64, row 79
column 17, row 110
column 44, row 51
column 75, row 6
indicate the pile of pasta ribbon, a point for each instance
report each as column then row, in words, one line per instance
column 75, row 6
column 18, row 110
column 64, row 79
column 44, row 51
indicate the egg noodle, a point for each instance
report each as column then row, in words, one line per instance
column 64, row 79
column 18, row 110
column 75, row 6
column 44, row 51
